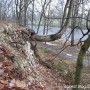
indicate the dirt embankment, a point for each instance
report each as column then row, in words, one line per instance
column 34, row 76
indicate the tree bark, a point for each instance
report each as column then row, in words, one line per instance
column 79, row 65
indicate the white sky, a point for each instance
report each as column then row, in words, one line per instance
column 56, row 3
column 53, row 3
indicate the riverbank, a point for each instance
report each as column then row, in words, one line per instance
column 65, row 62
column 68, row 53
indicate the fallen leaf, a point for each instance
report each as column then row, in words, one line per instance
column 3, row 82
column 21, row 84
column 1, row 86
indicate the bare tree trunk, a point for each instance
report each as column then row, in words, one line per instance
column 74, row 20
column 79, row 65
column 43, row 11
column 18, row 11
column 44, row 30
column 32, row 14
column 25, row 11
column 65, row 12
column 48, row 19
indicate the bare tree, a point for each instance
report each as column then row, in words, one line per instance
column 44, row 7
column 74, row 21
column 61, row 31
column 26, row 4
column 21, row 7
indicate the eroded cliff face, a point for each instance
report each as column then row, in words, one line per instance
column 11, row 34
column 12, row 38
column 34, row 76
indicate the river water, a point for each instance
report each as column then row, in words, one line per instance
column 77, row 36
column 53, row 30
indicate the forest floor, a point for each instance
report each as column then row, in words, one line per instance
column 33, row 77
column 65, row 62
column 36, row 76
column 70, row 53
column 55, row 78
